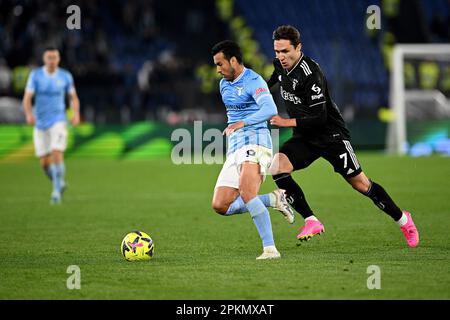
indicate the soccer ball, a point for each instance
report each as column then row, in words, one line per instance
column 137, row 246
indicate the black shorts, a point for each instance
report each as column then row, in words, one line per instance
column 338, row 152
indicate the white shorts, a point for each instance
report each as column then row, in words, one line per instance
column 231, row 170
column 53, row 138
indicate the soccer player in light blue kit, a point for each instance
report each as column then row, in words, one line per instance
column 49, row 86
column 249, row 105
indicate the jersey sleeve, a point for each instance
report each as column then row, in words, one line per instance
column 258, row 89
column 315, row 112
column 261, row 94
column 70, row 87
column 31, row 82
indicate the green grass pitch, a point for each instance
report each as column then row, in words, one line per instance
column 201, row 255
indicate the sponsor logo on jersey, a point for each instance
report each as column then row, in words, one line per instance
column 318, row 96
column 289, row 96
column 316, row 89
column 260, row 90
column 235, row 106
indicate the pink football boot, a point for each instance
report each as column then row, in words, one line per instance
column 310, row 229
column 410, row 231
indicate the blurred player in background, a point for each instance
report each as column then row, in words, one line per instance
column 249, row 106
column 318, row 131
column 49, row 86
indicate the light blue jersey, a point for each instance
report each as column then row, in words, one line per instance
column 49, row 94
column 248, row 99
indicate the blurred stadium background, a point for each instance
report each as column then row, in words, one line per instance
column 142, row 68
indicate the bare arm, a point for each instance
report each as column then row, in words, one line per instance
column 28, row 107
column 75, row 103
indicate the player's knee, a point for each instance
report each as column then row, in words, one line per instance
column 361, row 185
column 280, row 164
column 279, row 171
column 58, row 156
column 45, row 163
column 220, row 208
column 274, row 170
column 247, row 195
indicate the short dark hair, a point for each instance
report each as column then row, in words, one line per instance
column 229, row 49
column 287, row 32
column 50, row 48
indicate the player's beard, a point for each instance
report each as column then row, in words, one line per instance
column 232, row 74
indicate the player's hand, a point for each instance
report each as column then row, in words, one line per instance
column 281, row 122
column 233, row 127
column 30, row 119
column 75, row 119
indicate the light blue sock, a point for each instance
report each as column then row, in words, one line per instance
column 55, row 177
column 265, row 199
column 61, row 170
column 238, row 206
column 261, row 218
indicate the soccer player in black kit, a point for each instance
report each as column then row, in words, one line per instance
column 318, row 131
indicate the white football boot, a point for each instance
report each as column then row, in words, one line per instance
column 283, row 206
column 269, row 252
column 55, row 197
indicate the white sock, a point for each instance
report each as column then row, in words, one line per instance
column 312, row 218
column 403, row 220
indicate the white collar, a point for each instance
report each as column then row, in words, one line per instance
column 240, row 76
column 50, row 74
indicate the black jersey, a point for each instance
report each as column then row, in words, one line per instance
column 305, row 92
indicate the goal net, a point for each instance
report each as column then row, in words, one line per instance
column 419, row 99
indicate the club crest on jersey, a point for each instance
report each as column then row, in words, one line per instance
column 279, row 78
column 239, row 90
column 294, row 84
